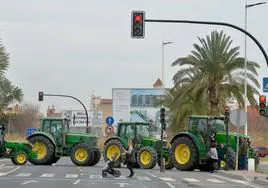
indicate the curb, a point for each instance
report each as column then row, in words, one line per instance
column 241, row 177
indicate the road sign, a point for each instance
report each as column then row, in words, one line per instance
column 238, row 117
column 31, row 131
column 109, row 120
column 265, row 84
column 109, row 129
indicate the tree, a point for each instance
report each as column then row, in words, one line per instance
column 8, row 92
column 210, row 75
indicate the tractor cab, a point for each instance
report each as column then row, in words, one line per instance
column 136, row 131
column 56, row 127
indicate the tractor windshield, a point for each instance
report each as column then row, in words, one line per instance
column 143, row 130
column 217, row 125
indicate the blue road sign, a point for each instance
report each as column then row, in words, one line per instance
column 30, row 131
column 265, row 84
column 109, row 120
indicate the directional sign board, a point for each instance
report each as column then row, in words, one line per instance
column 109, row 120
column 238, row 117
column 265, row 84
column 31, row 131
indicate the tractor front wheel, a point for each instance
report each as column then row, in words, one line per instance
column 81, row 155
column 184, row 154
column 20, row 158
column 230, row 159
column 147, row 157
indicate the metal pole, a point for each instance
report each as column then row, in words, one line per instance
column 245, row 95
column 163, row 64
column 215, row 23
column 72, row 98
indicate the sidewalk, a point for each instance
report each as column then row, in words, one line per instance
column 250, row 176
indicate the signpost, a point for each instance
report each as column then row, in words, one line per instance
column 265, row 84
column 238, row 118
column 30, row 131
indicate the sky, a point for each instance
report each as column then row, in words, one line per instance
column 84, row 47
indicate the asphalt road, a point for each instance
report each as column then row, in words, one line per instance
column 65, row 174
column 264, row 166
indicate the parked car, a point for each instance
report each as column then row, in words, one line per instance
column 262, row 151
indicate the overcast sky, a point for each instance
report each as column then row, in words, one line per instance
column 75, row 47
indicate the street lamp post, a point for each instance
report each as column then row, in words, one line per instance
column 245, row 64
column 163, row 45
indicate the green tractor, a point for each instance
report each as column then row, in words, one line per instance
column 148, row 148
column 189, row 148
column 54, row 140
column 19, row 152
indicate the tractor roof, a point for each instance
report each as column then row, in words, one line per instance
column 205, row 117
column 54, row 118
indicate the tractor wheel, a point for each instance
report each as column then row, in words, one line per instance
column 184, row 154
column 230, row 159
column 111, row 147
column 55, row 160
column 96, row 158
column 44, row 148
column 20, row 158
column 147, row 157
column 168, row 163
column 81, row 155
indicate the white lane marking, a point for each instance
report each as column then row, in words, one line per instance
column 170, row 185
column 71, row 175
column 122, row 184
column 215, row 181
column 167, row 179
column 95, row 176
column 143, row 178
column 29, row 181
column 81, row 174
column 151, row 174
column 121, row 178
column 191, row 180
column 8, row 172
column 76, row 182
column 237, row 181
column 47, row 175
column 1, row 165
column 23, row 174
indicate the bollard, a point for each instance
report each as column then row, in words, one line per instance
column 251, row 164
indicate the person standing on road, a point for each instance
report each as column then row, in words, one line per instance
column 213, row 157
column 130, row 157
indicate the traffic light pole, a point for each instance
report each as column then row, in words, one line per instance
column 68, row 96
column 215, row 23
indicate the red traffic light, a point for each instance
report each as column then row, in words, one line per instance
column 137, row 18
column 262, row 98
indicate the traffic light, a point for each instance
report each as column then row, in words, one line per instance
column 163, row 118
column 262, row 104
column 226, row 111
column 137, row 24
column 40, row 96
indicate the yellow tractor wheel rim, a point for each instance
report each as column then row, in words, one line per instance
column 41, row 149
column 81, row 154
column 145, row 157
column 182, row 154
column 21, row 158
column 222, row 163
column 112, row 149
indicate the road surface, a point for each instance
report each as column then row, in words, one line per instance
column 65, row 174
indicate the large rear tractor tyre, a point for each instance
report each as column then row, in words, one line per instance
column 184, row 154
column 147, row 157
column 20, row 158
column 96, row 158
column 81, row 155
column 230, row 159
column 55, row 160
column 111, row 147
column 44, row 148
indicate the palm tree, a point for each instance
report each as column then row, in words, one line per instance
column 8, row 92
column 214, row 73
